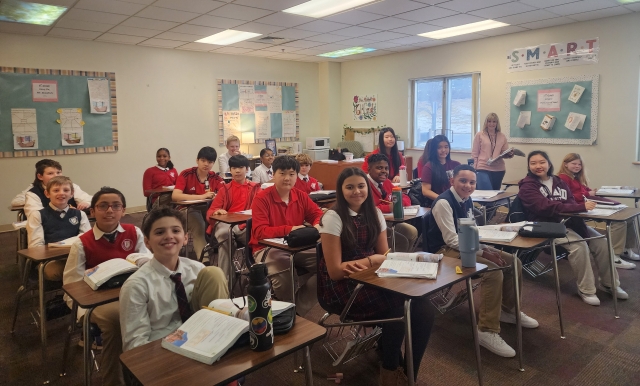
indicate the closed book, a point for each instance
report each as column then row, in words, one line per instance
column 103, row 272
column 66, row 243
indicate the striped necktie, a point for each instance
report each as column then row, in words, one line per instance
column 181, row 294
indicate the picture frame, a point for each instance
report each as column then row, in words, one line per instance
column 271, row 144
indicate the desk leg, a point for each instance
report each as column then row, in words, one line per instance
column 43, row 318
column 232, row 271
column 293, row 279
column 614, row 287
column 474, row 328
column 67, row 344
column 408, row 346
column 393, row 237
column 557, row 283
column 516, row 289
column 87, row 347
column 308, row 374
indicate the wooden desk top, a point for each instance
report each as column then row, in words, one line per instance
column 511, row 183
column 231, row 218
column 635, row 195
column 88, row 298
column 622, row 215
column 17, row 208
column 285, row 247
column 191, row 202
column 501, row 196
column 519, row 242
column 415, row 288
column 153, row 365
column 44, row 253
column 388, row 217
column 159, row 190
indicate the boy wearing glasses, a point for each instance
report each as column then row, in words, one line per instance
column 108, row 239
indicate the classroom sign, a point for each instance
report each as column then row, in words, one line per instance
column 553, row 55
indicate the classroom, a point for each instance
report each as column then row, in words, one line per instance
column 170, row 94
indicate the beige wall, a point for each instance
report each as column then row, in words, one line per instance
column 608, row 162
column 166, row 98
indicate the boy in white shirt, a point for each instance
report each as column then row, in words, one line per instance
column 264, row 171
column 233, row 148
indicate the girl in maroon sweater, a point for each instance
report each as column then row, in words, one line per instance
column 622, row 234
column 544, row 196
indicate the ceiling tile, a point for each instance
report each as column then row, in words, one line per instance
column 195, row 47
column 417, row 29
column 332, row 47
column 196, row 30
column 546, row 3
column 64, row 3
column 84, row 25
column 124, row 30
column 232, row 50
column 634, row 7
column 93, row 16
column 390, row 8
column 355, row 42
column 408, row 40
column 503, row 30
column 294, row 33
column 145, row 2
column 258, row 28
column 548, row 23
column 289, row 56
column 21, row 28
column 431, row 2
column 274, row 5
column 353, row 17
column 581, row 6
column 161, row 43
column 280, row 48
column 382, row 45
column 216, row 22
column 615, row 11
column 503, row 10
column 287, row 20
column 251, row 45
column 159, row 25
column 386, row 35
column 181, row 37
column 355, row 31
column 112, row 6
column 323, row 26
column 124, row 39
column 197, row 6
column 465, row 37
column 262, row 53
column 301, row 44
column 455, row 20
column 326, row 38
column 527, row 17
column 388, row 23
column 73, row 33
column 240, row 12
column 467, row 6
column 311, row 51
column 167, row 14
column 426, row 14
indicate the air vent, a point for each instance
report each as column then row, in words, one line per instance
column 270, row 39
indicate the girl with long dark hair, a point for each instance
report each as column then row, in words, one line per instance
column 388, row 146
column 435, row 176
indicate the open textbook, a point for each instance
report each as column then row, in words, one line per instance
column 206, row 336
column 412, row 269
column 102, row 273
column 515, row 151
column 424, row 257
column 485, row 194
column 500, row 232
column 226, row 306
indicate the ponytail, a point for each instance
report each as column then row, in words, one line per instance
column 170, row 165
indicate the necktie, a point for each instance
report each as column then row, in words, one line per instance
column 382, row 191
column 111, row 237
column 60, row 213
column 306, row 179
column 183, row 303
column 269, row 172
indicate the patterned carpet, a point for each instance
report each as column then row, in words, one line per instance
column 598, row 349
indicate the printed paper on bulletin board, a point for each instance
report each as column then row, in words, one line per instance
column 269, row 110
column 559, row 134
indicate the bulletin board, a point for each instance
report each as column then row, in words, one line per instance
column 268, row 110
column 559, row 134
column 64, row 116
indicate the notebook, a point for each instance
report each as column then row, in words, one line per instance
column 410, row 269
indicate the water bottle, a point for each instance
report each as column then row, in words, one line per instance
column 468, row 241
column 403, row 175
column 259, row 302
column 396, row 198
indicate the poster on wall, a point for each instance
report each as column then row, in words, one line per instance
column 549, row 100
column 71, row 127
column 245, row 97
column 44, row 90
column 365, row 107
column 24, row 126
column 99, row 95
column 545, row 56
column 231, row 123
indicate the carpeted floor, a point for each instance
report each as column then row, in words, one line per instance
column 598, row 350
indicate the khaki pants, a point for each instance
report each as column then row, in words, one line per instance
column 406, row 236
column 54, row 269
column 278, row 260
column 623, row 235
column 579, row 259
column 498, row 291
column 211, row 284
column 221, row 233
column 107, row 317
column 196, row 229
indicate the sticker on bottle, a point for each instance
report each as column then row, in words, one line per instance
column 252, row 303
column 267, row 299
column 270, row 317
column 253, row 340
column 259, row 325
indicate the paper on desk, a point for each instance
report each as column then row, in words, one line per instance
column 19, row 225
column 478, row 194
column 248, row 211
column 493, row 235
column 169, row 187
column 411, row 210
column 602, row 191
column 279, row 240
column 64, row 243
column 602, row 212
column 605, row 206
column 524, row 119
column 323, row 192
column 329, row 161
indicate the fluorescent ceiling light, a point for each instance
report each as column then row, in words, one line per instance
column 229, row 36
column 627, row 1
column 463, row 29
column 322, row 8
column 347, row 52
column 29, row 13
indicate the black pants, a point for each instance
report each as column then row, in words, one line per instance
column 488, row 180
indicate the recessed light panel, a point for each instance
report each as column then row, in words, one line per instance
column 347, row 52
column 29, row 13
column 229, row 36
column 464, row 29
column 322, row 8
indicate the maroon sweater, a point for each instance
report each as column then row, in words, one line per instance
column 543, row 205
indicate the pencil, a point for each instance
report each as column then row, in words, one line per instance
column 387, row 252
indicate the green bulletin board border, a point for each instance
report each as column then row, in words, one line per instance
column 221, row 82
column 549, row 83
column 70, row 151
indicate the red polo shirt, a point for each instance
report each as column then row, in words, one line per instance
column 188, row 182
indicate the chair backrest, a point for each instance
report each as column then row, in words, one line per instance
column 248, row 253
column 354, row 147
column 516, row 211
column 415, row 173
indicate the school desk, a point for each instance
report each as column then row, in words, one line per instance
column 231, row 219
column 85, row 297
column 22, row 232
column 153, row 365
column 411, row 288
column 509, row 184
column 155, row 194
column 388, row 217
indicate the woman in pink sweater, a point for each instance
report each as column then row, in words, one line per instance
column 489, row 144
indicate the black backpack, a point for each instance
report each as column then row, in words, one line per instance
column 416, row 196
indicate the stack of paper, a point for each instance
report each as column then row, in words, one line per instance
column 605, row 190
column 411, row 210
column 400, row 268
column 67, row 243
column 508, row 227
column 602, row 212
column 276, row 240
column 493, row 235
column 425, row 257
column 484, row 194
column 609, row 206
column 248, row 211
column 323, row 192
column 329, row 161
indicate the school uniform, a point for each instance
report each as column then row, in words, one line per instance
column 438, row 187
column 307, row 184
column 189, row 183
column 232, row 197
column 392, row 173
column 35, row 199
column 272, row 218
column 223, row 164
column 156, row 177
column 406, row 234
column 93, row 248
column 149, row 305
column 262, row 174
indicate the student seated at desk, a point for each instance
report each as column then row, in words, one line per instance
column 388, row 147
column 276, row 211
column 381, row 186
column 233, row 197
column 436, row 173
column 233, row 148
column 305, row 182
column 263, row 172
column 198, row 183
column 33, row 198
column 623, row 234
column 544, row 196
column 107, row 240
column 354, row 238
column 166, row 291
column 161, row 175
column 56, row 222
column 498, row 300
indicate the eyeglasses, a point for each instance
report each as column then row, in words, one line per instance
column 103, row 207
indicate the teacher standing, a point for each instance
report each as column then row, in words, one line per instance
column 489, row 144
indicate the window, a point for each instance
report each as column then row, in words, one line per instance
column 446, row 105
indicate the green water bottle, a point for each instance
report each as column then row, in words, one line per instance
column 396, row 198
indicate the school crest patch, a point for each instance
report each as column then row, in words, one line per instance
column 172, row 174
column 127, row 244
column 73, row 220
column 313, row 185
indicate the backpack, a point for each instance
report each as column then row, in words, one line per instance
column 416, row 196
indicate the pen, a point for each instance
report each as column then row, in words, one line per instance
column 387, row 252
column 218, row 311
